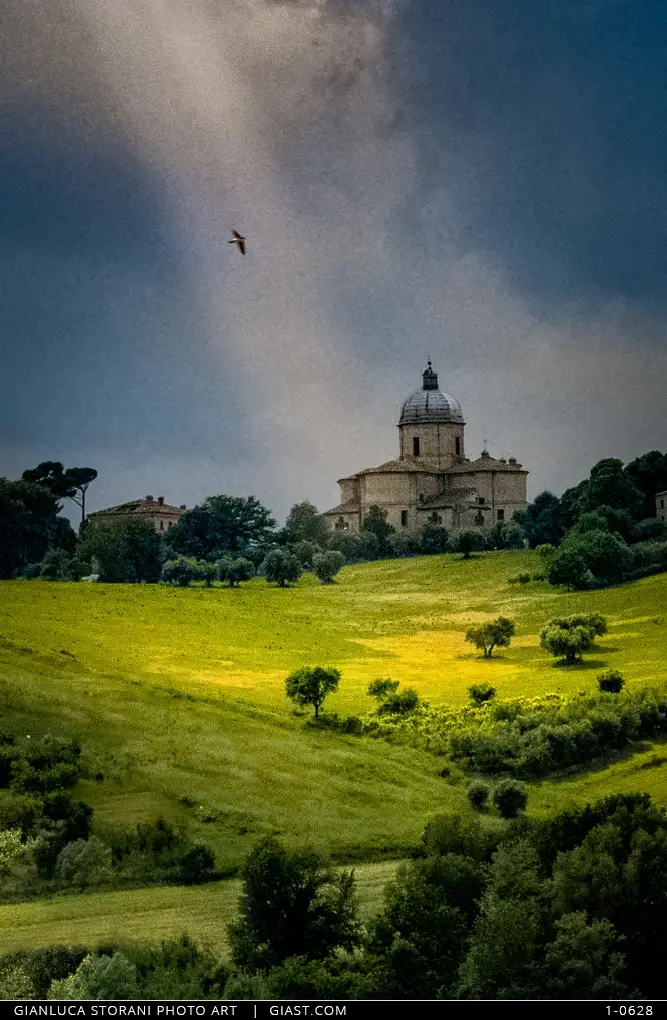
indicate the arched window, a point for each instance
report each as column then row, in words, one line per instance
column 404, row 518
column 415, row 446
column 457, row 444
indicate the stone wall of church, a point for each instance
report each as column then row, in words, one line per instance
column 442, row 443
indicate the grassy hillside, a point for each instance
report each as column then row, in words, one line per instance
column 149, row 915
column 178, row 694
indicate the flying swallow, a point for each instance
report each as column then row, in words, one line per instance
column 239, row 240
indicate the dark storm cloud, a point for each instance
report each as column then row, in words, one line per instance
column 476, row 181
column 549, row 121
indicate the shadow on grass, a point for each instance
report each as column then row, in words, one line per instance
column 580, row 665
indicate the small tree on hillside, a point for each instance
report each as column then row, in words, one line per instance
column 467, row 542
column 305, row 552
column 485, row 637
column 281, row 567
column 569, row 637
column 568, row 567
column 310, row 685
column 292, row 905
column 326, row 565
column 510, row 796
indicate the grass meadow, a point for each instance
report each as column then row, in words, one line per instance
column 177, row 696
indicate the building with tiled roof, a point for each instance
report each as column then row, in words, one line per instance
column 661, row 506
column 160, row 514
column 432, row 481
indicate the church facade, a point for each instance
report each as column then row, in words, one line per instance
column 432, row 480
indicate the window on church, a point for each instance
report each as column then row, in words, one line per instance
column 480, row 500
column 404, row 518
column 501, row 515
column 415, row 446
column 457, row 443
column 421, row 497
column 161, row 525
column 479, row 518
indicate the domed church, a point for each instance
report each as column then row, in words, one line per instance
column 432, row 480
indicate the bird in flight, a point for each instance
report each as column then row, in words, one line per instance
column 239, row 240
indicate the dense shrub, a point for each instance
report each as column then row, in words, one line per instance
column 182, row 570
column 45, row 764
column 478, row 793
column 83, row 863
column 326, row 565
column 479, row 693
column 611, row 681
column 400, row 703
column 519, row 579
column 233, row 571
column 281, row 567
column 570, row 636
column 510, row 796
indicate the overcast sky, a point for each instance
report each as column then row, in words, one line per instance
column 475, row 180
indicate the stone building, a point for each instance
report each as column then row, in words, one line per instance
column 661, row 506
column 156, row 511
column 432, row 480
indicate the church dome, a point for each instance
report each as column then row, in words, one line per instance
column 429, row 404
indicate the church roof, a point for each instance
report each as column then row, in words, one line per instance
column 148, row 506
column 486, row 462
column 405, row 465
column 349, row 507
column 430, row 404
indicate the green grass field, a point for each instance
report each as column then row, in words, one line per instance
column 150, row 915
column 178, row 694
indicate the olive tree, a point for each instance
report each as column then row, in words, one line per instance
column 310, row 685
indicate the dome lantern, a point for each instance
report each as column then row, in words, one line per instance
column 430, row 378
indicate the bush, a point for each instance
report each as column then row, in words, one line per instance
column 233, row 571
column 281, row 567
column 510, row 796
column 182, row 571
column 568, row 567
column 400, row 704
column 45, row 765
column 326, row 565
column 479, row 693
column 519, row 579
column 570, row 636
column 197, row 866
column 651, row 529
column 467, row 542
column 382, row 688
column 478, row 793
column 84, row 863
column 488, row 635
column 611, row 681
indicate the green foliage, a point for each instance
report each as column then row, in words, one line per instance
column 652, row 529
column 292, row 905
column 519, row 579
column 467, row 542
column 56, row 566
column 569, row 637
column 37, row 968
column 127, row 550
column 14, row 851
column 311, row 684
column 478, row 793
column 28, row 524
column 305, row 552
column 375, row 522
column 568, row 567
column 400, row 544
column 326, row 565
column 609, row 485
column 479, row 693
column 510, row 796
column 221, row 525
column 44, row 765
column 233, row 571
column 612, row 681
column 543, row 521
column 305, row 524
column 72, row 483
column 84, row 863
column 382, row 688
column 98, row 977
column 434, row 539
column 196, row 866
column 649, row 474
column 487, row 636
column 402, row 703
column 281, row 567
column 181, row 571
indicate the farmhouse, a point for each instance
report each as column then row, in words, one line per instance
column 432, row 481
column 156, row 511
column 661, row 506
